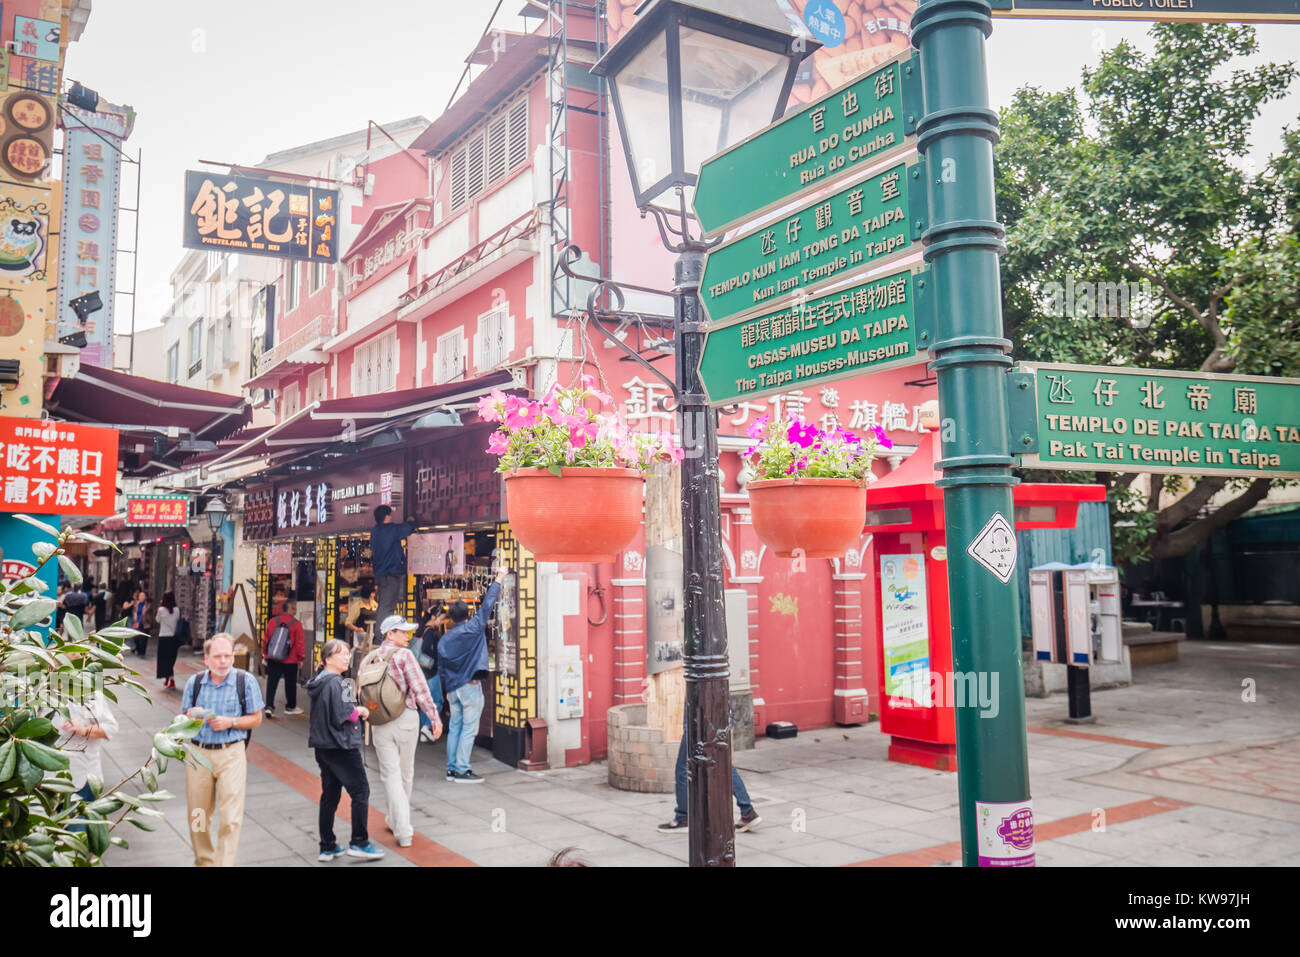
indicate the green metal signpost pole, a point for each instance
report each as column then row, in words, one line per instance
column 956, row 136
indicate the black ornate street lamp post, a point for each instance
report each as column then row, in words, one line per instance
column 687, row 81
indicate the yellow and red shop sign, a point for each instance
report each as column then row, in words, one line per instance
column 157, row 511
column 57, row 468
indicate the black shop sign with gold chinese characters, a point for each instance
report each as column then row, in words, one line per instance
column 260, row 217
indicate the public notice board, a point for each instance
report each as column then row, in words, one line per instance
column 863, row 226
column 1184, row 423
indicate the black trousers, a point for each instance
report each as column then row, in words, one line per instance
column 275, row 670
column 343, row 768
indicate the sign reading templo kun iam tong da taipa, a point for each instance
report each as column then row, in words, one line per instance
column 864, row 226
column 1184, row 423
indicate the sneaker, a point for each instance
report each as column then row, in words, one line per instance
column 369, row 852
column 748, row 821
column 405, row 841
column 332, row 853
column 293, row 710
column 468, row 777
column 427, row 734
column 451, row 775
column 269, row 712
column 676, row 824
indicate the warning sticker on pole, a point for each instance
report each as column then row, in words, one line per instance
column 1004, row 834
column 995, row 548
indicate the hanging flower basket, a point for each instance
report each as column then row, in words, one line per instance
column 822, row 516
column 809, row 494
column 575, row 478
column 581, row 515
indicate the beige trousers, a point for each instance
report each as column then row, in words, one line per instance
column 395, row 745
column 220, row 790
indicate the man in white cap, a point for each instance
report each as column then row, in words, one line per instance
column 395, row 742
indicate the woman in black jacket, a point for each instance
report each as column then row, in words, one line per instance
column 335, row 733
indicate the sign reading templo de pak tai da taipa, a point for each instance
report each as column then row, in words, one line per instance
column 1183, row 423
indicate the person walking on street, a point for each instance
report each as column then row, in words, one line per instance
column 284, row 635
column 335, row 734
column 76, row 601
column 169, row 617
column 462, row 662
column 89, row 724
column 395, row 741
column 388, row 561
column 232, row 703
column 749, row 818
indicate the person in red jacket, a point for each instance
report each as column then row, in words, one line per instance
column 288, row 668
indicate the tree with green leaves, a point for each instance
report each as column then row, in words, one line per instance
column 1141, row 197
column 42, row 677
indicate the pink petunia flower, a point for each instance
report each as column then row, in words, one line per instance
column 524, row 416
column 581, row 432
column 756, row 427
column 498, row 443
column 488, row 406
column 881, row 437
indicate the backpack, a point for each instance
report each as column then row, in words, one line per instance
column 183, row 631
column 377, row 690
column 280, row 644
column 240, row 677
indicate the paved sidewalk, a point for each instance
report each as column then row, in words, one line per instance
column 1179, row 769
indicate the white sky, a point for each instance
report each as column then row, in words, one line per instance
column 237, row 80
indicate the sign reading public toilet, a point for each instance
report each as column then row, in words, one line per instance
column 1185, row 423
column 866, row 224
column 1232, row 11
column 848, row 130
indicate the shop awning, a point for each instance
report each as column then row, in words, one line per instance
column 156, row 420
column 358, row 419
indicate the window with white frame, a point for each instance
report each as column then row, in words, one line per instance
column 195, row 343
column 317, row 276
column 449, row 358
column 490, row 153
column 492, row 342
column 317, row 386
column 214, row 349
column 290, row 402
column 374, row 365
column 291, row 287
column 174, row 362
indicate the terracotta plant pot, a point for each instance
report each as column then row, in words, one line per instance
column 582, row 515
column 822, row 516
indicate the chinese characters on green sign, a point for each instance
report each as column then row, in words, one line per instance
column 875, row 325
column 864, row 225
column 1187, row 423
column 861, row 123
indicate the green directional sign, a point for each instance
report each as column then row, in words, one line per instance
column 1233, row 11
column 863, row 226
column 1186, row 423
column 874, row 325
column 858, row 125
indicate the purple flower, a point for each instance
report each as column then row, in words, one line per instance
column 802, row 434
column 756, row 427
column 881, row 437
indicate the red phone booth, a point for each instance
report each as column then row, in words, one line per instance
column 908, row 559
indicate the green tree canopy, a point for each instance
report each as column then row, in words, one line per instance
column 1187, row 259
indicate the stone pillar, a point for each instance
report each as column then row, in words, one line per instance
column 851, row 697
